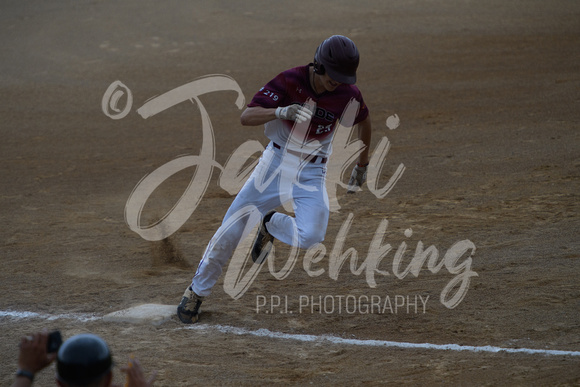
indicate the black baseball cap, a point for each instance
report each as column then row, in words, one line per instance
column 83, row 359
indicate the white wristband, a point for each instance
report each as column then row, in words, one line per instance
column 278, row 110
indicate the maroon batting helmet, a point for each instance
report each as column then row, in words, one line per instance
column 337, row 56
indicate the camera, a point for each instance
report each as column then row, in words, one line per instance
column 54, row 342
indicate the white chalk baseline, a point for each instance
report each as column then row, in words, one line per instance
column 19, row 315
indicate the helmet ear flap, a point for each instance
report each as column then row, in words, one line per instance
column 318, row 67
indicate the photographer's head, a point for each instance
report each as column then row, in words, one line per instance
column 84, row 360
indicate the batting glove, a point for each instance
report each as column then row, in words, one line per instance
column 294, row 112
column 357, row 178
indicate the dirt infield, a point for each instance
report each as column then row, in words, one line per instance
column 488, row 94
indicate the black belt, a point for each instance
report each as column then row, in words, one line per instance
column 304, row 156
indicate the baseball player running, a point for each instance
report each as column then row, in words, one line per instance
column 300, row 109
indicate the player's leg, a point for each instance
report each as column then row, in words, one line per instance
column 311, row 210
column 217, row 253
column 239, row 220
column 245, row 212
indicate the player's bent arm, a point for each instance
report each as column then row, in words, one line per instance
column 364, row 134
column 257, row 115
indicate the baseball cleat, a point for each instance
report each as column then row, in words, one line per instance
column 264, row 241
column 188, row 309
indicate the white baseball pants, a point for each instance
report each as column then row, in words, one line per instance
column 277, row 179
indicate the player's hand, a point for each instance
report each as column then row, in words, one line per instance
column 294, row 112
column 357, row 178
column 136, row 375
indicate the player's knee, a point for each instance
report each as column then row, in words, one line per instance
column 310, row 239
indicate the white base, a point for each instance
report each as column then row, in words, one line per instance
column 155, row 314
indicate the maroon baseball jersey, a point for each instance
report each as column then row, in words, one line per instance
column 293, row 86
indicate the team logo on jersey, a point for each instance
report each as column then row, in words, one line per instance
column 324, row 114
